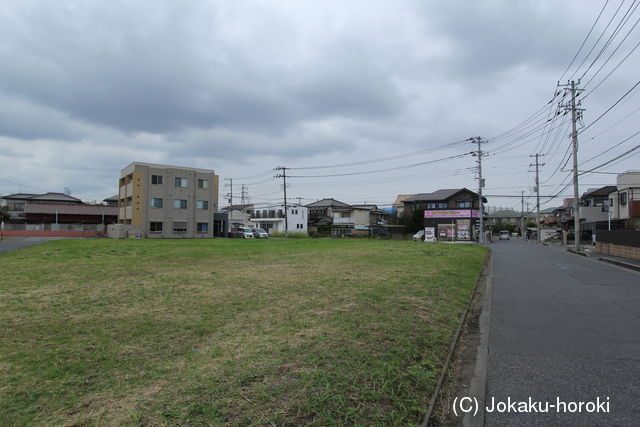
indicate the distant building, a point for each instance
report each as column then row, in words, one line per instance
column 111, row 201
column 238, row 215
column 272, row 218
column 54, row 214
column 166, row 201
column 397, row 205
column 341, row 219
column 453, row 213
column 510, row 217
column 18, row 202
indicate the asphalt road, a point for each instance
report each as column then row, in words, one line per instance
column 10, row 245
column 562, row 327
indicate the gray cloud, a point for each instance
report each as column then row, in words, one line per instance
column 244, row 86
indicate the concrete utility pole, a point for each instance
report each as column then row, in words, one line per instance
column 478, row 140
column 230, row 197
column 283, row 175
column 243, row 195
column 522, row 213
column 576, row 114
column 537, row 165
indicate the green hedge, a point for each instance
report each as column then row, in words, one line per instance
column 291, row 235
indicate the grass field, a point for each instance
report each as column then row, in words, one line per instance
column 312, row 331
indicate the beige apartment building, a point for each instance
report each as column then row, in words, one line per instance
column 166, row 201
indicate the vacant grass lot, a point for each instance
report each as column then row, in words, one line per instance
column 227, row 331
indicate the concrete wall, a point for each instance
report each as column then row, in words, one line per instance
column 618, row 250
column 122, row 231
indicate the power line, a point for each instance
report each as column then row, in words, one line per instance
column 585, row 40
column 611, row 108
column 382, row 170
column 384, row 159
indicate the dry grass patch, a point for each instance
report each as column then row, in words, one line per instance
column 227, row 331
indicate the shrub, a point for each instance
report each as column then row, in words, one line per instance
column 291, row 235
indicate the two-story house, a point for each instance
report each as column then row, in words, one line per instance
column 594, row 208
column 625, row 200
column 453, row 214
column 272, row 218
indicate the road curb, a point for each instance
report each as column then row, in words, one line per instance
column 620, row 263
column 581, row 253
column 478, row 383
column 454, row 344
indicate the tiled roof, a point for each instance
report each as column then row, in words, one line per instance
column 69, row 209
column 54, row 197
column 237, row 207
column 600, row 192
column 326, row 203
column 443, row 194
column 20, row 196
column 111, row 199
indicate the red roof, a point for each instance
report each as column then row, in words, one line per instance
column 69, row 209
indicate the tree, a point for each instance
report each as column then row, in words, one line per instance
column 504, row 226
column 4, row 213
column 413, row 219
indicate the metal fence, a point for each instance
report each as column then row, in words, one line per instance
column 53, row 227
column 619, row 237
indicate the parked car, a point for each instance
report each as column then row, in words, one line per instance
column 260, row 233
column 419, row 236
column 242, row 233
column 505, row 235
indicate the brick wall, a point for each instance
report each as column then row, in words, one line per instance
column 630, row 252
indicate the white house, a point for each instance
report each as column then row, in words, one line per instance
column 625, row 201
column 272, row 218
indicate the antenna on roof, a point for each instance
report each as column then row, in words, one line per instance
column 67, row 191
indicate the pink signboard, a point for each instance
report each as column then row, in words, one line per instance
column 452, row 213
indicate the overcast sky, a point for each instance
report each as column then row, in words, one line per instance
column 241, row 87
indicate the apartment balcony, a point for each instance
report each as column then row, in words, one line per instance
column 266, row 215
column 342, row 221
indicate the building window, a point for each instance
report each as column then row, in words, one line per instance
column 203, row 183
column 181, row 182
column 155, row 227
column 623, row 198
column 156, row 179
column 202, row 204
column 464, row 204
column 156, row 203
column 180, row 204
column 180, row 227
column 203, row 227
